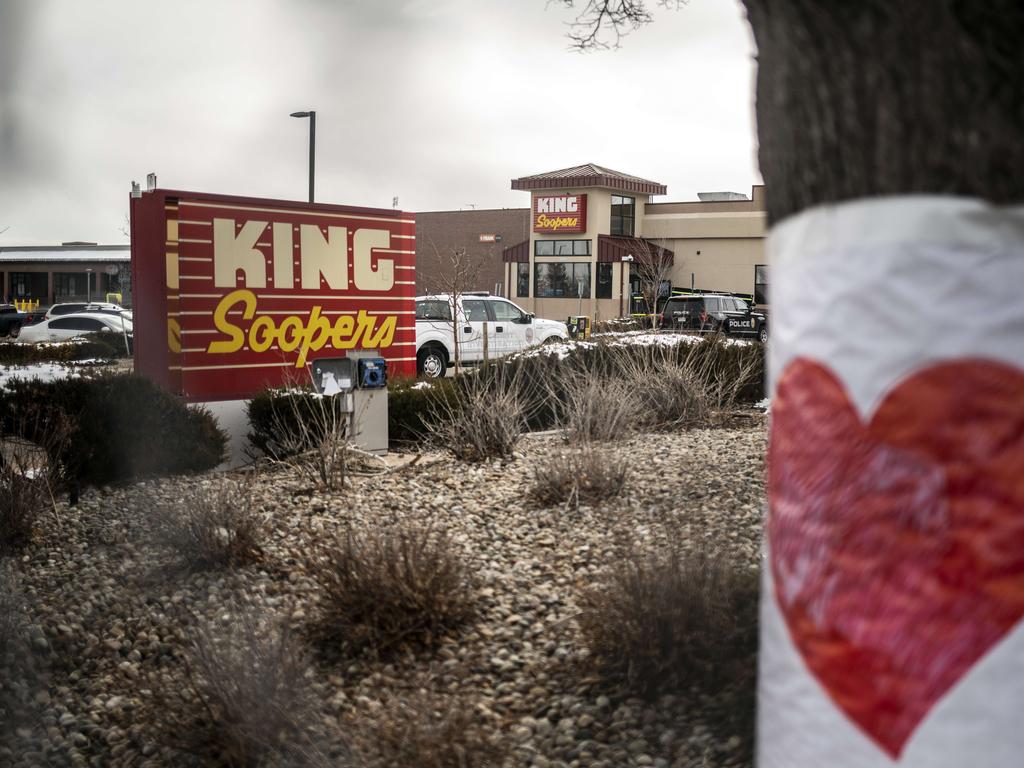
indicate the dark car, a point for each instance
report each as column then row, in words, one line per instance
column 10, row 320
column 714, row 312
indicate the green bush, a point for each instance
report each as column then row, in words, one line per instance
column 273, row 410
column 93, row 346
column 115, row 427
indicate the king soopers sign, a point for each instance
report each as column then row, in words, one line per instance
column 553, row 214
column 237, row 294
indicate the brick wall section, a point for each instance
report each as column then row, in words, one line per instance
column 439, row 232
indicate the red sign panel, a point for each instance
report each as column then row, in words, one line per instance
column 235, row 294
column 554, row 214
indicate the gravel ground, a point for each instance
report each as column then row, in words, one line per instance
column 110, row 613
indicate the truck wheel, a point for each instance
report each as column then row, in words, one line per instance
column 431, row 362
column 762, row 334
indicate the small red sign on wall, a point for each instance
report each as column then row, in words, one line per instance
column 555, row 214
column 236, row 294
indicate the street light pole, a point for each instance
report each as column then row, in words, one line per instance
column 312, row 146
column 88, row 286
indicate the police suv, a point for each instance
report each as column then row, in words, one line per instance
column 714, row 312
column 508, row 329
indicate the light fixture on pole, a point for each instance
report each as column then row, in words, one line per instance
column 622, row 274
column 312, row 145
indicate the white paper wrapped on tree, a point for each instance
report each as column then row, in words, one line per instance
column 892, row 629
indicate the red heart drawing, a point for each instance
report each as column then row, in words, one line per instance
column 897, row 546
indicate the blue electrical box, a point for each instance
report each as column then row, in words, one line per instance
column 373, row 373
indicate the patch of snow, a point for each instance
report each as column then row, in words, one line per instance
column 422, row 385
column 765, row 404
column 563, row 349
column 39, row 371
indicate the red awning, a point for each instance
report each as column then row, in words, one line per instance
column 517, row 253
column 614, row 247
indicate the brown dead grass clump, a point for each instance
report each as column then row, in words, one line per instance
column 427, row 730
column 587, row 476
column 667, row 621
column 24, row 498
column 214, row 528
column 245, row 700
column 401, row 584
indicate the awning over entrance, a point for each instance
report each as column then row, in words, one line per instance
column 517, row 253
column 614, row 248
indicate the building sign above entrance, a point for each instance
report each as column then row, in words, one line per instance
column 553, row 214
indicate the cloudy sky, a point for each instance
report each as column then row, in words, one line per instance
column 437, row 102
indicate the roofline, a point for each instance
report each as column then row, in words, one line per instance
column 604, row 181
column 476, row 210
column 30, row 248
column 268, row 202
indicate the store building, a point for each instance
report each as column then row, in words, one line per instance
column 596, row 238
column 74, row 271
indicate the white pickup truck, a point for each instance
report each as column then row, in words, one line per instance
column 509, row 329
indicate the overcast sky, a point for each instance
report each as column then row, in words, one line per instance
column 438, row 102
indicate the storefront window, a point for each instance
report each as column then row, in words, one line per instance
column 563, row 280
column 21, row 284
column 623, row 215
column 604, row 280
column 68, row 284
column 522, row 280
column 761, row 284
column 562, row 247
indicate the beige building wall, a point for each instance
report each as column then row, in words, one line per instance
column 716, row 264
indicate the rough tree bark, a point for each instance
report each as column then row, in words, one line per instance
column 875, row 97
column 881, row 97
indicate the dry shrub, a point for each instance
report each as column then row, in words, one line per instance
column 246, row 699
column 383, row 587
column 311, row 435
column 595, row 409
column 671, row 620
column 586, row 476
column 691, row 389
column 18, row 672
column 12, row 615
column 215, row 527
column 23, row 500
column 428, row 730
column 486, row 418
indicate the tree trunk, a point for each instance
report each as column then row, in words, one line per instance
column 889, row 97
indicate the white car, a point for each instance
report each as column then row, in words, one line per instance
column 509, row 330
column 77, row 307
column 67, row 327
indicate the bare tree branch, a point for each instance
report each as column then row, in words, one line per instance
column 619, row 17
column 653, row 265
column 457, row 273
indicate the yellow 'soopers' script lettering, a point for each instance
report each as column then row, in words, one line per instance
column 294, row 332
column 554, row 223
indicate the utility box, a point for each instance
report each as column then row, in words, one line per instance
column 361, row 379
column 579, row 326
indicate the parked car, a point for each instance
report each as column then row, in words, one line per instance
column 714, row 312
column 74, row 307
column 66, row 327
column 509, row 329
column 11, row 320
